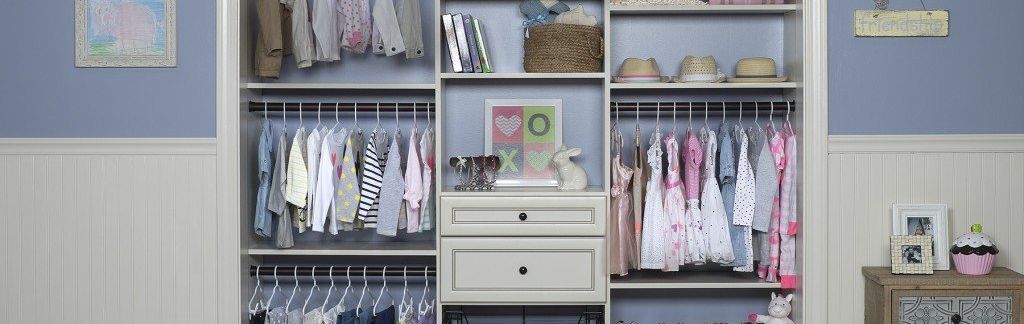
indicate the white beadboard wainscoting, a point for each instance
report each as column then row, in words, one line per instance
column 108, row 230
column 980, row 178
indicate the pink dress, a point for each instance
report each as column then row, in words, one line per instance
column 777, row 145
column 675, row 205
column 696, row 241
column 787, row 205
column 623, row 246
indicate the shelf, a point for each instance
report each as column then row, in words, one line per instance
column 723, row 85
column 422, row 248
column 523, row 75
column 691, row 280
column 699, row 10
column 525, row 192
column 341, row 86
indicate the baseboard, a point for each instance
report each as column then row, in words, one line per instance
column 108, row 146
column 981, row 143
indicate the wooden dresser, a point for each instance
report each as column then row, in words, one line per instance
column 944, row 297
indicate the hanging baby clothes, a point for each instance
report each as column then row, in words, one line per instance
column 427, row 154
column 655, row 221
column 277, row 316
column 696, row 242
column 263, row 222
column 346, row 195
column 386, row 316
column 258, row 317
column 743, row 205
column 391, row 193
column 302, row 34
column 295, row 316
column 402, row 217
column 716, row 223
column 276, row 202
column 372, row 180
column 313, row 145
column 387, row 37
column 314, row 317
column 383, row 143
column 727, row 177
column 788, row 223
column 674, row 206
column 778, row 156
column 325, row 30
column 411, row 25
column 347, row 317
column 270, row 44
column 298, row 181
column 639, row 180
column 365, row 317
column 331, row 314
column 356, row 25
column 357, row 145
column 413, row 184
column 621, row 235
column 328, row 182
column 766, row 186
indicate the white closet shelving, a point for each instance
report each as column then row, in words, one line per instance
column 340, row 86
column 702, row 10
column 723, row 85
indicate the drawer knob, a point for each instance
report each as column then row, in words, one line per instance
column 955, row 318
column 522, row 216
column 522, row 270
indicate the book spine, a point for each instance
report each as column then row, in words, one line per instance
column 481, row 46
column 453, row 46
column 471, row 39
column 460, row 33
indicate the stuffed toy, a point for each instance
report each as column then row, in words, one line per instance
column 778, row 311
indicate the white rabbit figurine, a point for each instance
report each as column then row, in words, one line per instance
column 778, row 311
column 570, row 175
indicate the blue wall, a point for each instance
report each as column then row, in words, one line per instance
column 969, row 82
column 44, row 95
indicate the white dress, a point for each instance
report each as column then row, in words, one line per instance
column 652, row 251
column 743, row 210
column 716, row 223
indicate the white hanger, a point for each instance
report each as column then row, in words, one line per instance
column 359, row 304
column 330, row 274
column 315, row 287
column 273, row 292
column 771, row 116
column 348, row 288
column 689, row 118
column 757, row 114
column 657, row 118
column 337, row 116
column 258, row 288
column 319, row 105
column 415, row 123
column 295, row 291
column 673, row 119
column 741, row 114
column 706, row 113
column 405, row 287
column 384, row 290
column 378, row 117
column 787, row 115
column 300, row 115
column 398, row 129
column 284, row 117
column 426, row 290
column 638, row 120
column 265, row 112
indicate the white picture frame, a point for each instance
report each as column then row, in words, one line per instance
column 121, row 33
column 925, row 219
column 911, row 254
column 503, row 179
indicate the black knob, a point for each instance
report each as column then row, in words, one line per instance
column 522, row 216
column 955, row 318
column 522, row 270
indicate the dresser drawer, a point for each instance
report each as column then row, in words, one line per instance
column 956, row 306
column 522, row 271
column 522, row 216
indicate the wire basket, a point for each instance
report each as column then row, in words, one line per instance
column 563, row 48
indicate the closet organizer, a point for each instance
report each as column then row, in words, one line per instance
column 525, row 254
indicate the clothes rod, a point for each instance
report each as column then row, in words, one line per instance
column 325, row 107
column 324, row 271
column 730, row 106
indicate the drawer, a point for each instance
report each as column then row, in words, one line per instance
column 522, row 270
column 522, row 216
column 956, row 306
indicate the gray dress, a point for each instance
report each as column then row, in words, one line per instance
column 276, row 202
column 391, row 194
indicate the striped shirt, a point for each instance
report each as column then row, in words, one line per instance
column 372, row 181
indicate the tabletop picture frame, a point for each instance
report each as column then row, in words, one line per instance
column 524, row 134
column 925, row 219
column 911, row 254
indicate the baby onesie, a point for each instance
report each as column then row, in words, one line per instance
column 696, row 242
column 391, row 193
column 413, row 184
column 716, row 224
column 346, row 195
column 743, row 207
column 675, row 208
column 655, row 221
column 295, row 189
column 313, row 145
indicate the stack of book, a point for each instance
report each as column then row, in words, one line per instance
column 467, row 47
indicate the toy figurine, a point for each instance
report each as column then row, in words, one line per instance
column 570, row 175
column 778, row 311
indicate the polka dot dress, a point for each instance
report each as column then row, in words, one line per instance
column 716, row 223
column 743, row 210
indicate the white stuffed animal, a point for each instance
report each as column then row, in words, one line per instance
column 570, row 175
column 778, row 311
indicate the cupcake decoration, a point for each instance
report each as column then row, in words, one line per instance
column 974, row 252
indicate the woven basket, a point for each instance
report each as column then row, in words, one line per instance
column 563, row 48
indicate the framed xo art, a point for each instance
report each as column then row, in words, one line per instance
column 524, row 134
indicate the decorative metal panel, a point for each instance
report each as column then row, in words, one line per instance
column 952, row 310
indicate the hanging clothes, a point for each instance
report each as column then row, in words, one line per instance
column 347, row 317
column 325, row 30
column 331, row 163
column 788, row 223
column 314, row 317
column 346, row 197
column 387, row 37
column 263, row 220
column 743, row 207
column 270, row 41
column 639, row 180
column 427, row 154
column 258, row 317
column 674, row 206
column 313, row 146
column 766, row 187
column 277, row 316
column 302, row 33
column 778, row 148
column 413, row 184
column 331, row 315
column 621, row 235
column 403, row 219
column 696, row 241
column 295, row 316
column 372, row 180
column 365, row 317
column 426, row 317
column 655, row 220
column 727, row 177
column 357, row 145
column 356, row 26
column 391, row 193
column 411, row 25
column 716, row 223
column 276, row 202
column 298, row 181
column 386, row 316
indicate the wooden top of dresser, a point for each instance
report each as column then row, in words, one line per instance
column 999, row 277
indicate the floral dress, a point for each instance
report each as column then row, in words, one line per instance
column 652, row 254
column 716, row 223
column 696, row 242
column 675, row 206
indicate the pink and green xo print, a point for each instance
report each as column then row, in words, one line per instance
column 524, row 138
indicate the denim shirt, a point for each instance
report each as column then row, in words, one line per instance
column 263, row 221
column 727, row 180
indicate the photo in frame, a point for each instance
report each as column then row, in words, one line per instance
column 925, row 219
column 524, row 134
column 125, row 33
column 911, row 254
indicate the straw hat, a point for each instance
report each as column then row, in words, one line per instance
column 634, row 70
column 756, row 69
column 699, row 69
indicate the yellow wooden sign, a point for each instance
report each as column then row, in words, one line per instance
column 901, row 23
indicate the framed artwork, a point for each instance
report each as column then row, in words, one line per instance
column 125, row 33
column 524, row 134
column 911, row 254
column 924, row 219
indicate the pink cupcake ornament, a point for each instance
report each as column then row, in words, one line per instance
column 974, row 252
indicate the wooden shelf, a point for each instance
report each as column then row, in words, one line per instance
column 523, row 75
column 691, row 280
column 699, row 10
column 341, row 86
column 423, row 248
column 525, row 192
column 723, row 85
